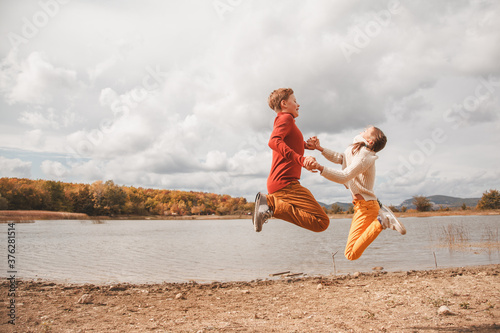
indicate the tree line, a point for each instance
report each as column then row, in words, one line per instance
column 109, row 199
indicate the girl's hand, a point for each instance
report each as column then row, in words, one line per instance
column 310, row 144
column 313, row 142
column 315, row 167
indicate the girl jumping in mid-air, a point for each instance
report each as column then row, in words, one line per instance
column 358, row 175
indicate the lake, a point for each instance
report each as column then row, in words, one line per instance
column 153, row 251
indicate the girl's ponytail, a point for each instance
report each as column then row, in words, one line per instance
column 357, row 146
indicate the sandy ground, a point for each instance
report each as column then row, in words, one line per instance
column 378, row 301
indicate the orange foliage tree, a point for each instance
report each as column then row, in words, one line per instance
column 107, row 198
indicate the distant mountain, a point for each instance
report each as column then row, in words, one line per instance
column 344, row 206
column 443, row 201
column 436, row 200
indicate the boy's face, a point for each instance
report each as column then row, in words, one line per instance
column 290, row 106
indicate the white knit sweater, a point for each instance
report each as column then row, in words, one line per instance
column 358, row 171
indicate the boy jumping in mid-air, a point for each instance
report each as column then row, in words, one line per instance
column 287, row 199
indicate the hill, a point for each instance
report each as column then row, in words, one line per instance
column 436, row 200
column 443, row 201
column 342, row 205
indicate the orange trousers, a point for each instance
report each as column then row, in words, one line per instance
column 364, row 228
column 294, row 203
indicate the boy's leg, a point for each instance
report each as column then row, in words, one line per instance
column 296, row 204
column 364, row 228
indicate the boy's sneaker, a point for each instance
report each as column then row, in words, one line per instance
column 388, row 220
column 261, row 212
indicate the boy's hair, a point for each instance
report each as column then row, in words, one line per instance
column 379, row 141
column 277, row 96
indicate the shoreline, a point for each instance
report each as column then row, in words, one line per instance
column 279, row 277
column 404, row 301
column 29, row 216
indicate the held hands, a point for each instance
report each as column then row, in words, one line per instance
column 310, row 162
column 312, row 165
column 313, row 143
column 315, row 167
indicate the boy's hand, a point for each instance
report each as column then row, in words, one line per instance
column 308, row 161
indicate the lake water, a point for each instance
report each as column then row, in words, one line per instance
column 151, row 251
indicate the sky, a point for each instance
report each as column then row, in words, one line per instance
column 173, row 94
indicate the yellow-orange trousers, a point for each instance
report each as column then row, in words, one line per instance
column 364, row 228
column 294, row 203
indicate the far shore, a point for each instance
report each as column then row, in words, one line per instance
column 32, row 215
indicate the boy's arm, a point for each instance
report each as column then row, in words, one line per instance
column 358, row 165
column 277, row 143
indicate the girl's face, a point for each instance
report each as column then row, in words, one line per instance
column 368, row 134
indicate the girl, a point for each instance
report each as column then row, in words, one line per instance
column 358, row 175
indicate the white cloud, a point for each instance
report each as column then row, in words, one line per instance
column 54, row 169
column 215, row 160
column 14, row 167
column 35, row 80
column 145, row 105
column 39, row 119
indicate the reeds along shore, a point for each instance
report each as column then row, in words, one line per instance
column 32, row 215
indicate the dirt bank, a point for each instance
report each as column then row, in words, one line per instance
column 382, row 302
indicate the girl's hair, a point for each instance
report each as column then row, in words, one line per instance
column 379, row 141
column 277, row 96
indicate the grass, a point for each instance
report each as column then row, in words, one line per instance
column 31, row 215
column 458, row 237
column 490, row 235
column 454, row 235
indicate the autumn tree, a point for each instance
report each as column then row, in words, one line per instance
column 107, row 198
column 81, row 199
column 3, row 203
column 422, row 203
column 489, row 200
column 336, row 209
column 55, row 198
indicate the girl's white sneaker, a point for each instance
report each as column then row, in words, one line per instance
column 388, row 220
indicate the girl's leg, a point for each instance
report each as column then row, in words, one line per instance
column 297, row 205
column 364, row 228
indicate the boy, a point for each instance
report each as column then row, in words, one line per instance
column 287, row 199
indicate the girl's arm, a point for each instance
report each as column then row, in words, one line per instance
column 359, row 165
column 332, row 156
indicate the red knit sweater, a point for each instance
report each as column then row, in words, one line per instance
column 288, row 146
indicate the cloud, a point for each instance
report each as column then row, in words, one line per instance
column 14, row 168
column 45, row 119
column 54, row 169
column 35, row 80
column 145, row 105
